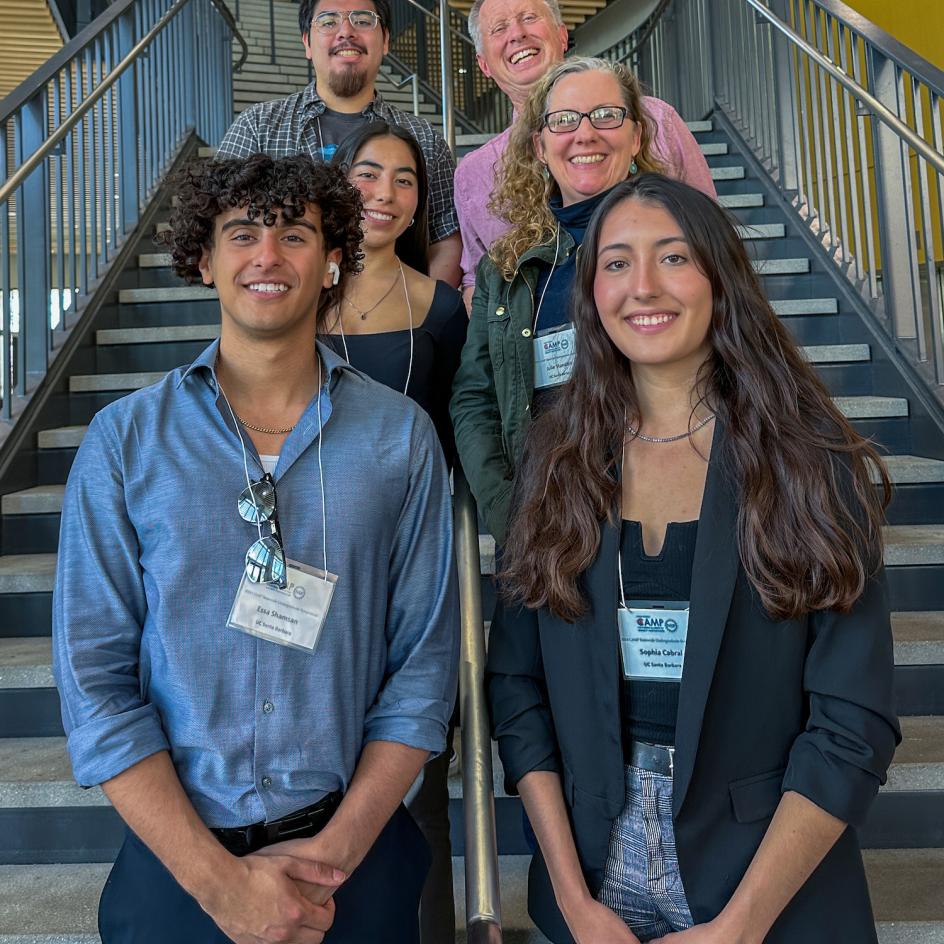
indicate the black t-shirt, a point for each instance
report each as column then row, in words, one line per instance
column 437, row 345
column 650, row 709
column 334, row 127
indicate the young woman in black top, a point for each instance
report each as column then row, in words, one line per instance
column 690, row 677
column 394, row 323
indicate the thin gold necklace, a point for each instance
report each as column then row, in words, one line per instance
column 263, row 429
column 364, row 313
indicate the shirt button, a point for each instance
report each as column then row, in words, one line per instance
column 500, row 310
column 268, row 707
column 267, row 782
column 526, row 333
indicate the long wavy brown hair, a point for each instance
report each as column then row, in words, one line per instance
column 521, row 193
column 809, row 517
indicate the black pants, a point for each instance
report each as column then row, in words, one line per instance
column 142, row 903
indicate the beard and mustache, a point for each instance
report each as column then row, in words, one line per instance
column 349, row 81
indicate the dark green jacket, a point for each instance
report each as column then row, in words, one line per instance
column 494, row 386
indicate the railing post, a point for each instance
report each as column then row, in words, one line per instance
column 483, row 912
column 445, row 58
column 127, row 126
column 785, row 98
column 272, row 29
column 33, row 241
column 895, row 209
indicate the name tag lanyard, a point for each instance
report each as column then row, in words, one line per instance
column 537, row 314
column 409, row 308
column 324, row 515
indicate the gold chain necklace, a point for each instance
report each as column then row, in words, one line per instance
column 364, row 313
column 263, row 429
column 667, row 439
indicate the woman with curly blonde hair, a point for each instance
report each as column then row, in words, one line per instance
column 583, row 130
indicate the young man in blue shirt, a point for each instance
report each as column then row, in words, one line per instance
column 256, row 716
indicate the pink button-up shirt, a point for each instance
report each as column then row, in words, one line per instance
column 674, row 145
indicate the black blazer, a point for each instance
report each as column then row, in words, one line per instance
column 764, row 707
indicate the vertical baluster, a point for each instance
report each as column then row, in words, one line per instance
column 837, row 103
column 72, row 181
column 868, row 180
column 854, row 166
column 93, row 59
column 937, row 104
column 57, row 160
column 6, row 333
column 933, row 311
column 823, row 104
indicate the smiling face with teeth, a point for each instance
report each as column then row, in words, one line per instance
column 269, row 278
column 519, row 42
column 346, row 62
column 652, row 299
column 587, row 161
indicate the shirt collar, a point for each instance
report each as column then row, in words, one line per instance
column 312, row 100
column 206, row 362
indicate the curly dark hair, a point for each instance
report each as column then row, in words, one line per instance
column 207, row 187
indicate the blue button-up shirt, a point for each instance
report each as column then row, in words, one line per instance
column 151, row 554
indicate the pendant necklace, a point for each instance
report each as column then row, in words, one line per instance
column 361, row 311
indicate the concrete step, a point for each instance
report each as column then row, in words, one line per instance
column 762, row 231
column 906, row 544
column 35, row 772
column 26, row 662
column 171, row 333
column 868, row 408
column 781, row 266
column 97, row 383
column 716, row 149
column 727, row 173
column 740, row 201
column 914, row 470
column 178, row 293
column 61, row 437
column 919, row 760
column 27, row 573
column 837, row 353
column 39, row 500
column 786, row 307
column 919, row 638
column 697, row 127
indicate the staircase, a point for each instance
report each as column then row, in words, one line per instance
column 56, row 839
column 261, row 79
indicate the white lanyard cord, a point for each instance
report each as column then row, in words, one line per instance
column 409, row 308
column 242, row 443
column 550, row 275
column 619, row 546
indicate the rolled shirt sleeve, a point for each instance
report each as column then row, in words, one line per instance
column 841, row 759
column 415, row 703
column 98, row 613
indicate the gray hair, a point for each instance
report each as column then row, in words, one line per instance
column 476, row 34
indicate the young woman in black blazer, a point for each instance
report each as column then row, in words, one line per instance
column 703, row 791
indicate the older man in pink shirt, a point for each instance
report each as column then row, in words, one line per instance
column 516, row 42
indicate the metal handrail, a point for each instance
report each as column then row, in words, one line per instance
column 847, row 122
column 53, row 141
column 48, row 70
column 483, row 911
column 885, row 115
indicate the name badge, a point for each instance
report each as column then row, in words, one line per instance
column 652, row 640
column 290, row 617
column 554, row 357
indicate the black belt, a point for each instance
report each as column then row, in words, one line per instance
column 653, row 757
column 242, row 840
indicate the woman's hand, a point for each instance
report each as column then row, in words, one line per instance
column 593, row 923
column 713, row 932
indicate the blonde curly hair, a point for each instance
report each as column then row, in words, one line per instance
column 521, row 193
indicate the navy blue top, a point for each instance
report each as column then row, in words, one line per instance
column 650, row 708
column 575, row 219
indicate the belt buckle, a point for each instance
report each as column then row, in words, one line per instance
column 671, row 751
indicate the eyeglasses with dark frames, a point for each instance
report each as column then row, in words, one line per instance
column 265, row 560
column 330, row 20
column 603, row 118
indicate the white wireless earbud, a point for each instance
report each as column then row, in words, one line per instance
column 335, row 271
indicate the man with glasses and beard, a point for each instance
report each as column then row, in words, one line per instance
column 346, row 41
column 255, row 616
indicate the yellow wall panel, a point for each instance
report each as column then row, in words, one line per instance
column 919, row 24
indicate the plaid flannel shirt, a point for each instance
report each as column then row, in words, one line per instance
column 288, row 126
